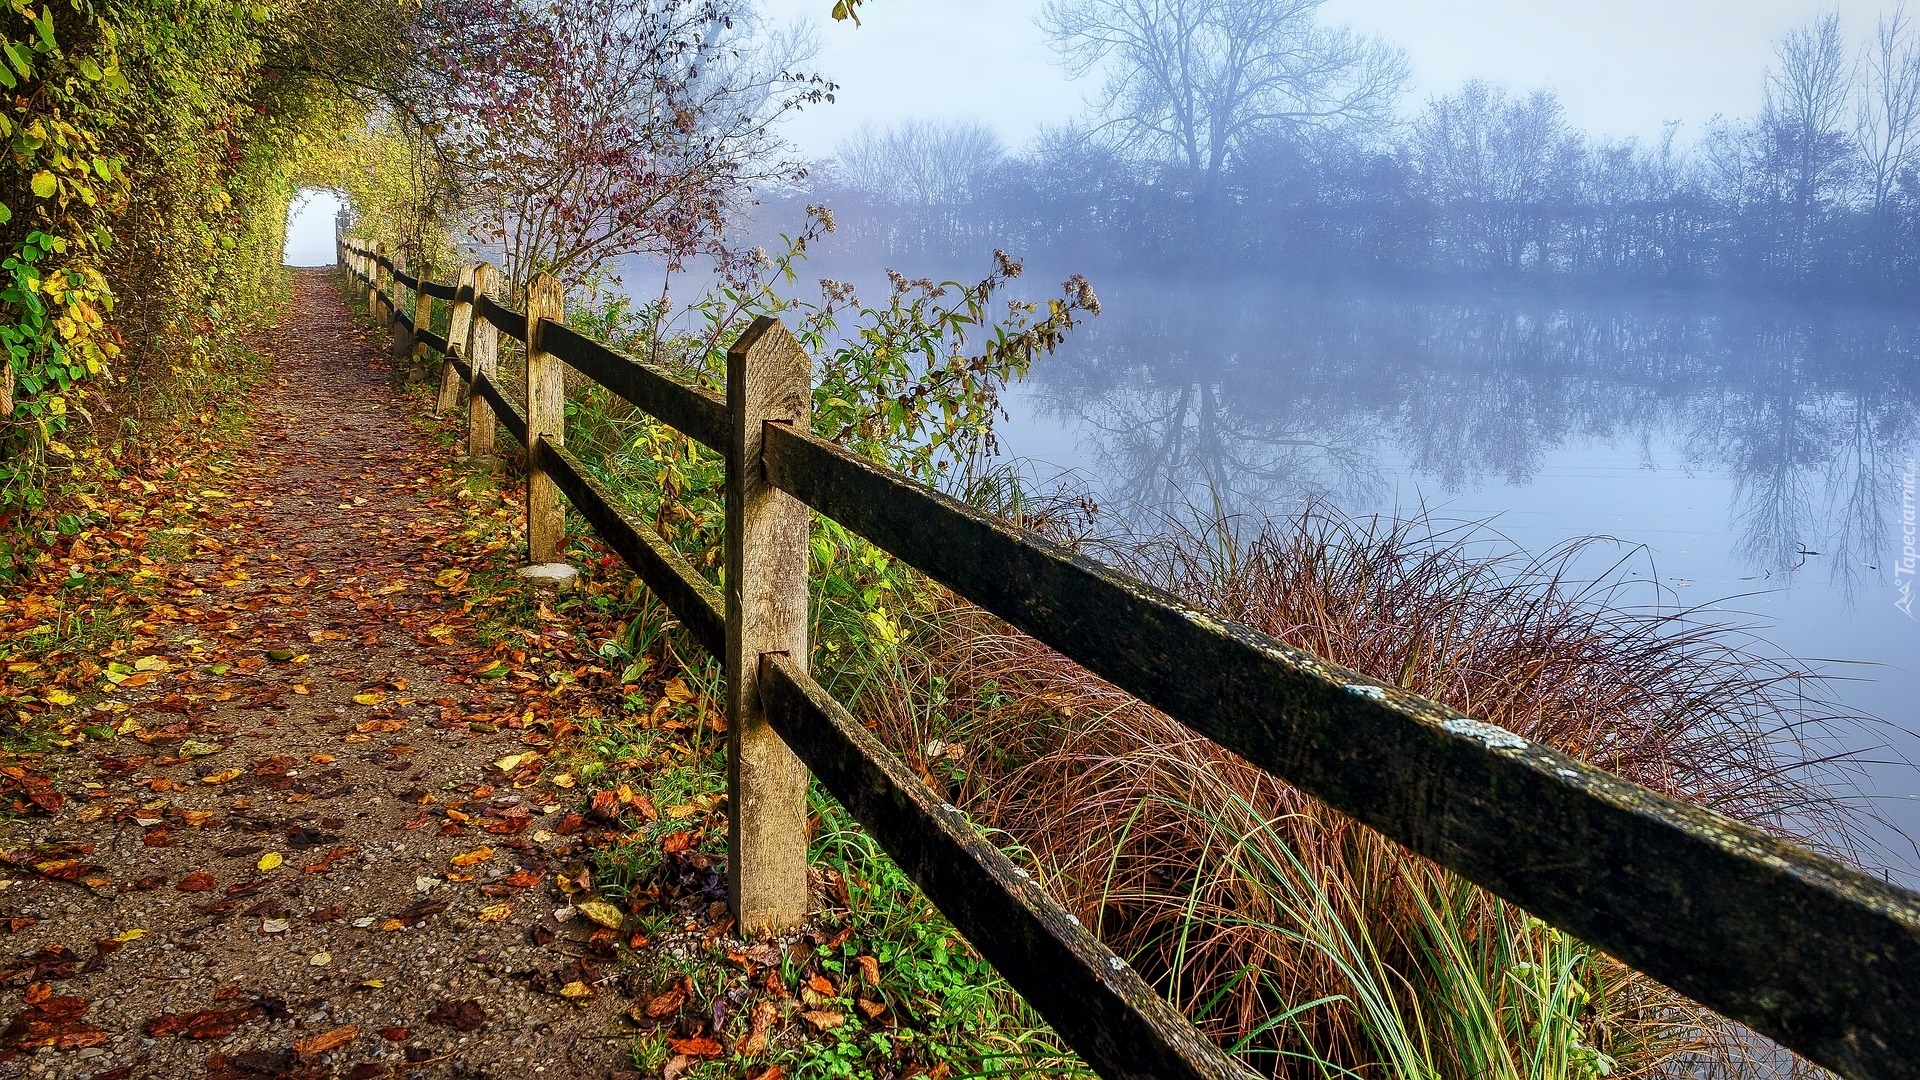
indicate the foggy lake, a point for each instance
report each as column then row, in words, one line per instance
column 1748, row 455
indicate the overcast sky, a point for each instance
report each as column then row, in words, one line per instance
column 1622, row 67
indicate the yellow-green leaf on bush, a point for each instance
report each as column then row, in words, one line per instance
column 44, row 185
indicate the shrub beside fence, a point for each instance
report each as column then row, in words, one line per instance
column 1805, row 950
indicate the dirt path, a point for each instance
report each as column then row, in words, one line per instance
column 287, row 850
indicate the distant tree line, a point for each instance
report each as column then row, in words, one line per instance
column 1241, row 133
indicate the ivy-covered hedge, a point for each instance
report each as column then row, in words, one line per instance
column 151, row 155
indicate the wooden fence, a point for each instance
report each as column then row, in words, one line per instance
column 1803, row 949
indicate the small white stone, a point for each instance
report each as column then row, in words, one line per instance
column 1116, row 963
column 557, row 574
column 362, row 924
column 274, row 926
column 425, row 884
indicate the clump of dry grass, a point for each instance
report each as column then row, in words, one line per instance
column 1310, row 944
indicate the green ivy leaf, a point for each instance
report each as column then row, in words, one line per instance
column 90, row 69
column 44, row 185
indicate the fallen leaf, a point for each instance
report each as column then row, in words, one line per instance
column 823, row 1020
column 764, row 1014
column 221, row 777
column 473, row 858
column 495, row 913
column 870, row 968
column 198, row 882
column 577, row 992
column 134, row 934
column 603, row 913
column 698, row 1047
column 270, row 861
column 369, row 699
column 332, row 1040
column 458, row 1015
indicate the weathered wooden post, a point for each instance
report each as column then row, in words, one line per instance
column 398, row 342
column 546, row 420
column 769, row 381
column 377, row 301
column 483, row 360
column 459, row 318
column 422, row 314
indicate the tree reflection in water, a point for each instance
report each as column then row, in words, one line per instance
column 1241, row 398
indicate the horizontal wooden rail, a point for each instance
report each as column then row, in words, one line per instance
column 1801, row 948
column 689, row 596
column 696, row 413
column 1093, row 998
column 431, row 340
column 511, row 323
column 509, row 413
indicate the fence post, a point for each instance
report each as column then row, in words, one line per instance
column 397, row 344
column 769, row 380
column 422, row 314
column 483, row 360
column 459, row 318
column 546, row 420
column 377, row 298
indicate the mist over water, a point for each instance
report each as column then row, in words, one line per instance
column 1399, row 298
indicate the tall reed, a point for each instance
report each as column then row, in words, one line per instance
column 1310, row 944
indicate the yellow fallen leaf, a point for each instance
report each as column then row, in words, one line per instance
column 603, row 913
column 59, row 697
column 374, row 984
column 369, row 699
column 270, row 861
column 474, row 857
column 677, row 691
column 152, row 663
column 496, row 913
column 564, row 780
column 134, row 934
column 390, row 925
column 221, row 777
column 514, row 761
column 576, row 991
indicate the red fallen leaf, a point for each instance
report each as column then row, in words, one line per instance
column 772, row 1072
column 63, row 1008
column 606, row 805
column 156, row 837
column 570, row 824
column 699, row 1047
column 19, row 923
column 36, row 993
column 508, row 826
column 328, row 914
column 64, row 869
column 675, row 843
column 330, row 858
column 394, row 1034
column 668, row 1003
column 199, row 881
column 366, row 1070
column 47, row 799
column 149, row 883
column 521, row 879
column 124, row 1072
column 458, row 1015
column 332, row 1040
column 106, row 947
column 277, row 765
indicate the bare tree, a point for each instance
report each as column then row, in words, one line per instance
column 1804, row 118
column 1196, row 76
column 1887, row 114
column 1498, row 164
column 586, row 131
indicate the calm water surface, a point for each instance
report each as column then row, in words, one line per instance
column 1754, row 451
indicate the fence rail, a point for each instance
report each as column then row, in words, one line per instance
column 1803, row 949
